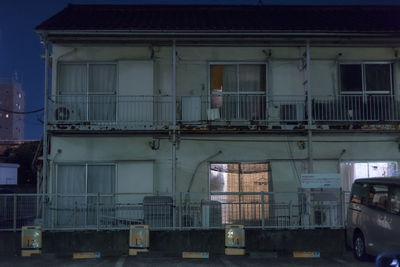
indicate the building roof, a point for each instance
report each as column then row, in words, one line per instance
column 195, row 18
column 382, row 180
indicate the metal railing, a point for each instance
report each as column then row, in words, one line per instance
column 190, row 211
column 149, row 112
column 353, row 108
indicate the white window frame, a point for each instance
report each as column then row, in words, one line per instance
column 86, row 179
column 238, row 92
column 364, row 91
column 87, row 94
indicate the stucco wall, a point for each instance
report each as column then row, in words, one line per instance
column 285, row 72
column 283, row 153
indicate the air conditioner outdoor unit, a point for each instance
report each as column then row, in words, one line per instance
column 211, row 213
column 191, row 108
column 62, row 113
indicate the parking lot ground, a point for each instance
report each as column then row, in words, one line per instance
column 215, row 260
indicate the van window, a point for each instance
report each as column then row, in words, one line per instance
column 378, row 196
column 395, row 200
column 359, row 193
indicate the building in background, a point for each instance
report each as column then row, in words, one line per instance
column 12, row 100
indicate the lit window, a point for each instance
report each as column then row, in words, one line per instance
column 7, row 115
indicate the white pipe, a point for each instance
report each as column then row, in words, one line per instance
column 46, row 92
column 173, row 141
column 309, row 108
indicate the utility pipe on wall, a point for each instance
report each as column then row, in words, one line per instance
column 46, row 92
column 173, row 137
column 309, row 109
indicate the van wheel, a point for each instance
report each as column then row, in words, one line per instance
column 359, row 246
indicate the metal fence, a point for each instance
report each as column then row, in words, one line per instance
column 188, row 211
column 148, row 112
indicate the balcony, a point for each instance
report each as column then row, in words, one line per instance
column 112, row 112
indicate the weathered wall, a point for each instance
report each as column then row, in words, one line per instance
column 286, row 74
column 285, row 154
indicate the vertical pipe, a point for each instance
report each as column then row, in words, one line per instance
column 46, row 93
column 174, row 126
column 15, row 213
column 309, row 108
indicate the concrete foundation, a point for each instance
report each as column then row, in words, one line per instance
column 113, row 243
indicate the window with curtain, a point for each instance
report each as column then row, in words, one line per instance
column 88, row 91
column 74, row 182
column 238, row 90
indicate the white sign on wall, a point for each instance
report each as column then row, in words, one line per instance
column 321, row 180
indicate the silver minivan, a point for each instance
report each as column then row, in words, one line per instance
column 373, row 216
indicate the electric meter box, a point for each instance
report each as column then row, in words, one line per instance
column 31, row 240
column 138, row 239
column 234, row 240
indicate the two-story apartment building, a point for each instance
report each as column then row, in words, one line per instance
column 223, row 103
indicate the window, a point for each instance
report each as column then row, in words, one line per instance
column 237, row 186
column 74, row 182
column 88, row 91
column 7, row 116
column 351, row 171
column 378, row 196
column 395, row 200
column 359, row 193
column 238, row 90
column 368, row 78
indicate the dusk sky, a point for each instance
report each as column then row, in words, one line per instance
column 20, row 47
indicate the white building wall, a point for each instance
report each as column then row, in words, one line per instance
column 285, row 154
column 286, row 65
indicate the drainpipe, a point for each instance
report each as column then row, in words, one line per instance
column 309, row 109
column 46, row 92
column 308, row 217
column 173, row 137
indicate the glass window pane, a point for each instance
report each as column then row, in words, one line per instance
column 252, row 77
column 102, row 78
column 71, row 201
column 100, row 179
column 395, row 200
column 223, row 78
column 377, row 77
column 72, row 78
column 378, row 196
column 350, row 78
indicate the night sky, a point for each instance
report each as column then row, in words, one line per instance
column 20, row 47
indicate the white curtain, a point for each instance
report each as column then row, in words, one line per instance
column 73, row 79
column 71, row 181
column 102, row 88
column 72, row 89
column 250, row 78
column 229, row 79
column 100, row 179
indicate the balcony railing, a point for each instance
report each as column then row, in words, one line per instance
column 264, row 210
column 356, row 108
column 152, row 112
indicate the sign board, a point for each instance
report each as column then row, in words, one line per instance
column 234, row 240
column 138, row 239
column 321, row 180
column 31, row 240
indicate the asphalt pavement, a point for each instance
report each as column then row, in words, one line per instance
column 215, row 260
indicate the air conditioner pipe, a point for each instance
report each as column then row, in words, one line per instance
column 198, row 166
